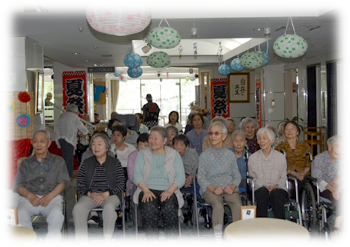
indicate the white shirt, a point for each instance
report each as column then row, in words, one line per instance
column 68, row 125
column 178, row 126
column 123, row 156
column 143, row 129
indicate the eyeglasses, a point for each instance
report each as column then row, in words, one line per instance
column 216, row 133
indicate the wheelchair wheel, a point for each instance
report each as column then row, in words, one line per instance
column 308, row 208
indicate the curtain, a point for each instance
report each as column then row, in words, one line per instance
column 114, row 94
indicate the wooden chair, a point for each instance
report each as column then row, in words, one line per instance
column 314, row 136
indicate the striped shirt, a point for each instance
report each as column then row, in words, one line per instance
column 99, row 181
column 268, row 171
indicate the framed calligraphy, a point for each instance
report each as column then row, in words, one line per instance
column 238, row 84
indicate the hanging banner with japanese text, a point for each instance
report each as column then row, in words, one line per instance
column 74, row 90
column 258, row 101
column 219, row 97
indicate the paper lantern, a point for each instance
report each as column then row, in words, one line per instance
column 119, row 21
column 121, row 77
column 187, row 78
column 163, row 37
column 23, row 120
column 192, row 78
column 24, row 97
column 117, row 74
column 266, row 57
column 290, row 46
column 236, row 64
column 252, row 59
column 224, row 69
column 133, row 60
column 158, row 59
column 135, row 72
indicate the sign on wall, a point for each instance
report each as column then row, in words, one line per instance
column 219, row 97
column 239, row 87
column 74, row 90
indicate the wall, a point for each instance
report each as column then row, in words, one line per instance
column 237, row 110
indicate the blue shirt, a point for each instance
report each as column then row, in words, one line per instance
column 242, row 163
column 196, row 140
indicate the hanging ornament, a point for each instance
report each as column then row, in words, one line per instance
column 219, row 53
column 24, row 97
column 224, row 69
column 192, row 78
column 133, row 60
column 290, row 45
column 158, row 59
column 266, row 57
column 121, row 77
column 11, row 107
column 195, row 50
column 163, row 37
column 118, row 20
column 236, row 64
column 117, row 74
column 187, row 78
column 180, row 50
column 135, row 72
column 252, row 59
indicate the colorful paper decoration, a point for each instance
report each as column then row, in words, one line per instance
column 236, row 64
column 24, row 97
column 224, row 69
column 11, row 106
column 119, row 21
column 164, row 37
column 23, row 120
column 290, row 46
column 266, row 57
column 135, row 72
column 252, row 59
column 133, row 60
column 192, row 78
column 158, row 59
column 117, row 74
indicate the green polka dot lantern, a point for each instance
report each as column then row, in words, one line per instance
column 164, row 37
column 252, row 60
column 290, row 46
column 158, row 59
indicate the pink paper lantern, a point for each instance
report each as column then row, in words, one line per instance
column 121, row 77
column 120, row 21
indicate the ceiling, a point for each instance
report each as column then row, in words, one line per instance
column 64, row 33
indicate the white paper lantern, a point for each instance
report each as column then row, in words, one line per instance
column 252, row 59
column 135, row 72
column 290, row 46
column 224, row 69
column 266, row 57
column 163, row 37
column 119, row 21
column 158, row 59
column 133, row 60
column 236, row 64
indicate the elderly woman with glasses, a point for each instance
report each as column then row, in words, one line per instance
column 326, row 168
column 100, row 182
column 219, row 177
column 269, row 169
column 228, row 140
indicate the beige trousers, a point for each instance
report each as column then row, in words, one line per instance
column 216, row 202
column 85, row 205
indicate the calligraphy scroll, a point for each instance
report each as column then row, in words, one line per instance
column 74, row 90
column 219, row 98
column 239, row 87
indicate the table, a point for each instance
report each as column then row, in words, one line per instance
column 19, row 235
column 269, row 228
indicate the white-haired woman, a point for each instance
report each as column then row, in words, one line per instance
column 99, row 182
column 219, row 177
column 67, row 129
column 326, row 169
column 228, row 140
column 269, row 169
column 250, row 126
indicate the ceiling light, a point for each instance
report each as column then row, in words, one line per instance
column 75, row 53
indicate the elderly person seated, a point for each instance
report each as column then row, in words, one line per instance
column 250, row 126
column 228, row 140
column 326, row 168
column 280, row 138
column 100, row 182
column 39, row 181
column 131, row 135
column 172, row 131
column 239, row 144
column 298, row 159
column 231, row 125
column 269, row 169
column 159, row 174
column 219, row 177
column 197, row 134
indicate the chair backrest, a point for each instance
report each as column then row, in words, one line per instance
column 129, row 121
